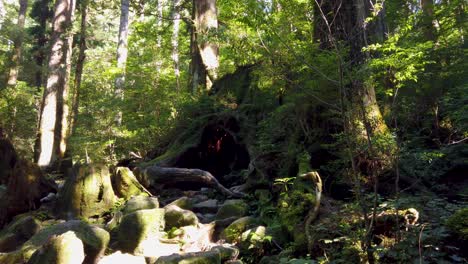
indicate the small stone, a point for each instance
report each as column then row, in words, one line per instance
column 208, row 206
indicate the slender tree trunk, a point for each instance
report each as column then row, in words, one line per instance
column 54, row 113
column 79, row 65
column 41, row 39
column 2, row 13
column 175, row 41
column 204, row 64
column 39, row 57
column 122, row 54
column 18, row 43
column 159, row 25
column 427, row 7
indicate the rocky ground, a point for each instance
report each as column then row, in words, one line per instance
column 102, row 217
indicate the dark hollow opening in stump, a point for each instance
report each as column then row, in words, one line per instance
column 218, row 153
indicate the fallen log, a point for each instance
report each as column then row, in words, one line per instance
column 155, row 175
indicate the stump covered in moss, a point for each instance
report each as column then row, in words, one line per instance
column 26, row 186
column 126, row 184
column 87, row 192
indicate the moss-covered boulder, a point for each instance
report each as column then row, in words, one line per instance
column 87, row 192
column 140, row 203
column 95, row 241
column 209, row 257
column 18, row 232
column 254, row 237
column 183, row 202
column 232, row 208
column 227, row 252
column 177, row 217
column 126, row 184
column 66, row 248
column 233, row 232
column 140, row 230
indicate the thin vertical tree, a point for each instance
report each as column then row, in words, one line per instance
column 175, row 41
column 122, row 54
column 204, row 49
column 79, row 64
column 53, row 122
column 2, row 13
column 18, row 44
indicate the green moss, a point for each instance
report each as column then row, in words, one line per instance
column 140, row 203
column 458, row 223
column 234, row 231
column 138, row 227
column 232, row 208
column 177, row 217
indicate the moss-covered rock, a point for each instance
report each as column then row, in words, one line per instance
column 227, row 252
column 177, row 217
column 253, row 238
column 95, row 241
column 139, row 230
column 233, row 232
column 183, row 202
column 232, row 208
column 87, row 192
column 209, row 257
column 126, row 184
column 140, row 203
column 18, row 232
column 66, row 248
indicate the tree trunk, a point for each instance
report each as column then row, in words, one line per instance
column 427, row 7
column 79, row 65
column 205, row 52
column 54, row 113
column 41, row 39
column 175, row 41
column 159, row 25
column 122, row 54
column 2, row 13
column 18, row 43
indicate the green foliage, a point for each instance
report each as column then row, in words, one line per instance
column 458, row 224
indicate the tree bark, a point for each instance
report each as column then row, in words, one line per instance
column 79, row 65
column 2, row 13
column 427, row 7
column 175, row 41
column 155, row 175
column 122, row 54
column 205, row 52
column 18, row 44
column 53, row 122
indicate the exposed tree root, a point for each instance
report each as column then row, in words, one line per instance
column 155, row 175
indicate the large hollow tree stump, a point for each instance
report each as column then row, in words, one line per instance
column 154, row 176
column 87, row 192
column 26, row 186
